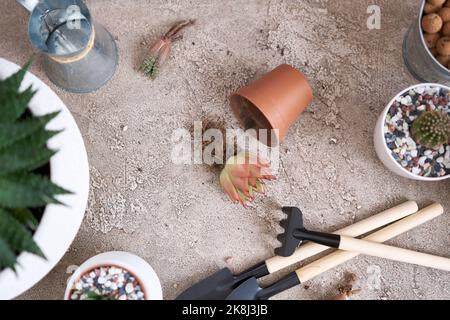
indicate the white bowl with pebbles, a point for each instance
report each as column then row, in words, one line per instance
column 394, row 142
column 114, row 276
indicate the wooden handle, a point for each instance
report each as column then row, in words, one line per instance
column 362, row 227
column 393, row 253
column 338, row 257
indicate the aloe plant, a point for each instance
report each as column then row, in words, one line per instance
column 23, row 150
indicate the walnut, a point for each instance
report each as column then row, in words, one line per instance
column 444, row 13
column 444, row 60
column 431, row 39
column 443, row 46
column 432, row 23
column 433, row 6
column 436, row 2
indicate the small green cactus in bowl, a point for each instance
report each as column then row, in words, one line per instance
column 432, row 129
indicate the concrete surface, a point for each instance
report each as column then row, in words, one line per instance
column 177, row 217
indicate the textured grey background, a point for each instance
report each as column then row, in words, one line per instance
column 177, row 218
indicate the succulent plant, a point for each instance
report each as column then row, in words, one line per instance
column 432, row 129
column 161, row 48
column 23, row 151
column 97, row 296
column 243, row 177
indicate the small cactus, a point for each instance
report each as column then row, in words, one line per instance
column 432, row 129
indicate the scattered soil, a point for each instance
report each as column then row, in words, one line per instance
column 177, row 217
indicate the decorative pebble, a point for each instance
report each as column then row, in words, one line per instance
column 101, row 280
column 129, row 288
column 112, row 282
column 406, row 100
column 422, row 161
column 420, row 90
column 404, row 149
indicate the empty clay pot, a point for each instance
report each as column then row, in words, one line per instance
column 275, row 101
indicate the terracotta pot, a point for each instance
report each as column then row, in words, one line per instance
column 273, row 102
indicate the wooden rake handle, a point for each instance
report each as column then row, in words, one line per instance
column 338, row 257
column 359, row 228
column 393, row 253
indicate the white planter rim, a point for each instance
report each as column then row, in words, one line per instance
column 138, row 267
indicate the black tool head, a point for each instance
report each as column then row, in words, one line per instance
column 288, row 240
column 222, row 283
column 216, row 287
column 248, row 290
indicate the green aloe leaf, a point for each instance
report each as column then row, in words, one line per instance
column 38, row 139
column 14, row 105
column 7, row 256
column 22, row 158
column 25, row 217
column 13, row 102
column 29, row 190
column 10, row 133
column 14, row 81
column 18, row 238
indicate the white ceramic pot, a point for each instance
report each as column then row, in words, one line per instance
column 69, row 169
column 137, row 266
column 384, row 153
